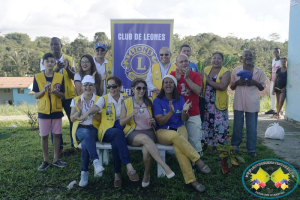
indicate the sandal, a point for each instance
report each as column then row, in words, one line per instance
column 205, row 169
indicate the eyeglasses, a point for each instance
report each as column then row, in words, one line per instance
column 171, row 82
column 84, row 62
column 100, row 49
column 112, row 86
column 140, row 88
column 88, row 84
column 166, row 54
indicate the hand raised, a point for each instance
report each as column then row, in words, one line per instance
column 104, row 76
column 186, row 72
column 171, row 107
column 187, row 105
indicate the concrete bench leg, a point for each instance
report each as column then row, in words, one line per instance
column 160, row 170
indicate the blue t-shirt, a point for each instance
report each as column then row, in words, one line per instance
column 193, row 66
column 161, row 107
column 56, row 115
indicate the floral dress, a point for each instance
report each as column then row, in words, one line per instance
column 216, row 122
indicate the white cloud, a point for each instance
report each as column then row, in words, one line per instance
column 243, row 18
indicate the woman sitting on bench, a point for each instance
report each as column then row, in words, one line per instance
column 110, row 129
column 170, row 110
column 136, row 114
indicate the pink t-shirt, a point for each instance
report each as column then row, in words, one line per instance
column 141, row 119
column 246, row 98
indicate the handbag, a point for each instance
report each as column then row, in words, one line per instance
column 274, row 131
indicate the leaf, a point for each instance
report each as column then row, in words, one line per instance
column 229, row 149
column 224, row 169
column 229, row 164
column 234, row 161
column 240, row 159
column 223, row 155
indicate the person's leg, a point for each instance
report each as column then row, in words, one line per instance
column 44, row 127
column 147, row 158
column 272, row 96
column 167, row 137
column 66, row 105
column 193, row 126
column 238, row 123
column 150, row 148
column 56, row 130
column 277, row 104
column 281, row 102
column 251, row 127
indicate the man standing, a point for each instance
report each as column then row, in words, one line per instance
column 65, row 66
column 276, row 64
column 186, row 49
column 103, row 66
column 189, row 86
column 159, row 70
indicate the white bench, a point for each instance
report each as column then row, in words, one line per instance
column 102, row 150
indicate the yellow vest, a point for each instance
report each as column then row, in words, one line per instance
column 69, row 85
column 131, row 125
column 221, row 102
column 44, row 101
column 108, row 117
column 156, row 76
column 76, row 123
column 109, row 70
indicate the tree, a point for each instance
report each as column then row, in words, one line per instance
column 274, row 36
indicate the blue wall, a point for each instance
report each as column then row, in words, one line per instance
column 293, row 84
column 28, row 98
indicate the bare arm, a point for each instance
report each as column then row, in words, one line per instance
column 273, row 90
column 256, row 84
column 58, row 94
column 223, row 85
column 91, row 111
column 39, row 94
column 125, row 119
column 193, row 86
column 184, row 113
column 78, row 86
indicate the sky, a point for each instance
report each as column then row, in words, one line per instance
column 241, row 18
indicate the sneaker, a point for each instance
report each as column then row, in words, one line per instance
column 59, row 163
column 44, row 166
column 133, row 176
column 98, row 168
column 271, row 112
column 84, row 179
column 252, row 154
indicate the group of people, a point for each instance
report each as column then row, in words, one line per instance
column 98, row 110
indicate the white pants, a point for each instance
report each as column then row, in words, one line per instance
column 273, row 97
column 193, row 126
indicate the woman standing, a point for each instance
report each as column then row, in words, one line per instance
column 136, row 114
column 170, row 112
column 110, row 129
column 216, row 79
column 86, row 131
column 88, row 67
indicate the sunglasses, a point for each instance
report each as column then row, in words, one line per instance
column 166, row 54
column 112, row 86
column 88, row 84
column 84, row 62
column 140, row 88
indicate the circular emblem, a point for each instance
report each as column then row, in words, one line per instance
column 138, row 60
column 57, row 86
column 270, row 179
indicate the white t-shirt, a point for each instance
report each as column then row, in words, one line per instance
column 77, row 78
column 101, row 71
column 101, row 102
column 85, row 108
column 149, row 80
column 276, row 64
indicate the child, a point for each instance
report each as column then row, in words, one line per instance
column 49, row 90
column 280, row 86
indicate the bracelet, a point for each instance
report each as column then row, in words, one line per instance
column 185, row 112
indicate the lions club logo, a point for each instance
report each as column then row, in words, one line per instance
column 270, row 179
column 138, row 60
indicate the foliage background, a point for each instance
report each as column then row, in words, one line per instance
column 20, row 56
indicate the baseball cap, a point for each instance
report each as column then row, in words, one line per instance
column 88, row 79
column 100, row 45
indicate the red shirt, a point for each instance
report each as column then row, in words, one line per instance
column 184, row 90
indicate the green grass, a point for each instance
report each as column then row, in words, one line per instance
column 21, row 155
column 17, row 110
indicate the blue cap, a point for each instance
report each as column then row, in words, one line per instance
column 100, row 45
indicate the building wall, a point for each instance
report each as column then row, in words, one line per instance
column 293, row 90
column 19, row 98
column 5, row 96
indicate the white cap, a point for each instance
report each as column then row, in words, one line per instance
column 88, row 79
column 172, row 77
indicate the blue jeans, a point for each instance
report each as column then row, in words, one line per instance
column 120, row 151
column 66, row 105
column 88, row 137
column 251, row 127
